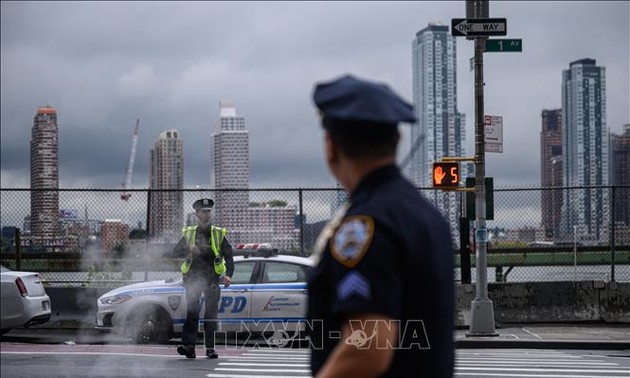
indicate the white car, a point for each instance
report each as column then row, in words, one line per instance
column 23, row 300
column 268, row 293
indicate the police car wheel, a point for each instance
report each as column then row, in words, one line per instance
column 149, row 324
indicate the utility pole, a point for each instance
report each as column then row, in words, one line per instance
column 478, row 26
column 482, row 310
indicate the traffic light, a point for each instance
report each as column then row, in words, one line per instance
column 446, row 174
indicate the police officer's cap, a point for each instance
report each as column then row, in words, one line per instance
column 203, row 204
column 348, row 100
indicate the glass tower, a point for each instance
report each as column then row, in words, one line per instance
column 585, row 149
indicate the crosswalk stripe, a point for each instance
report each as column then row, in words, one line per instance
column 542, row 370
column 289, row 351
column 271, row 358
column 519, row 355
column 261, row 364
column 533, row 375
column 215, row 375
column 538, row 362
column 265, row 370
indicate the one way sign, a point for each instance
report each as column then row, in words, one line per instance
column 478, row 26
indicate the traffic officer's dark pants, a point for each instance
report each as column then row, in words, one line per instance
column 196, row 286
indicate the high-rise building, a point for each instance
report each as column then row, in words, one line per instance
column 585, row 150
column 230, row 166
column 245, row 222
column 44, row 176
column 621, row 175
column 440, row 130
column 551, row 171
column 166, row 216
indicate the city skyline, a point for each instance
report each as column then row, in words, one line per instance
column 172, row 77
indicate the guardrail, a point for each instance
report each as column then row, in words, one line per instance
column 78, row 269
column 558, row 257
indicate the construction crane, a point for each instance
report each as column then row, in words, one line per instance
column 126, row 184
column 412, row 152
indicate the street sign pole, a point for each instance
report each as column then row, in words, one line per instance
column 482, row 311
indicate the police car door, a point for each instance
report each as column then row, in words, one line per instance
column 279, row 301
column 235, row 302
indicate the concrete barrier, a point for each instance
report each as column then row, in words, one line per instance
column 534, row 302
column 615, row 302
column 550, row 302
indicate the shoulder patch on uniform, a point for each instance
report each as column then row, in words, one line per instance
column 352, row 239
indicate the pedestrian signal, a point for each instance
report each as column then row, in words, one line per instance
column 446, row 174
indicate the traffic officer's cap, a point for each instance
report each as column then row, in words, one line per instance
column 348, row 100
column 203, row 204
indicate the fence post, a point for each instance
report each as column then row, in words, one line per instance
column 612, row 235
column 301, row 222
column 464, row 250
column 18, row 250
column 148, row 236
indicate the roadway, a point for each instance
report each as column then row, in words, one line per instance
column 561, row 351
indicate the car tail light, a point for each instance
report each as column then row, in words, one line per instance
column 21, row 287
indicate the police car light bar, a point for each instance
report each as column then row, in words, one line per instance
column 255, row 250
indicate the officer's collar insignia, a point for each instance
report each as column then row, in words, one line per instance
column 352, row 239
column 174, row 301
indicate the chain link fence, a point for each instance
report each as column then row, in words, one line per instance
column 84, row 236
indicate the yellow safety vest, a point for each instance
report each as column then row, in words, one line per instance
column 216, row 239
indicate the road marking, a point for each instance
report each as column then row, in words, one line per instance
column 532, row 333
column 265, row 370
column 529, row 375
column 542, row 370
column 538, row 362
column 95, row 354
column 271, row 357
column 261, row 364
column 214, row 375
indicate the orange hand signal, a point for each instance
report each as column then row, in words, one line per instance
column 438, row 175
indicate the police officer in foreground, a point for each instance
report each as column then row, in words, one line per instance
column 381, row 298
column 208, row 258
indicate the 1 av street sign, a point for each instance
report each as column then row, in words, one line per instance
column 504, row 45
column 471, row 27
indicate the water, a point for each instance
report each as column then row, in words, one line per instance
column 555, row 273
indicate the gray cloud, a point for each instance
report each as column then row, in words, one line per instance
column 104, row 64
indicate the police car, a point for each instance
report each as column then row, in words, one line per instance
column 268, row 293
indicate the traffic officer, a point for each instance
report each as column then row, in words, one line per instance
column 208, row 258
column 381, row 298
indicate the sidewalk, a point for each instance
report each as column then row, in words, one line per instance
column 550, row 336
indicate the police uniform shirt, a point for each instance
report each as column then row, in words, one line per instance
column 391, row 255
column 203, row 262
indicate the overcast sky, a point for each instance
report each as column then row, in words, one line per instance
column 104, row 64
